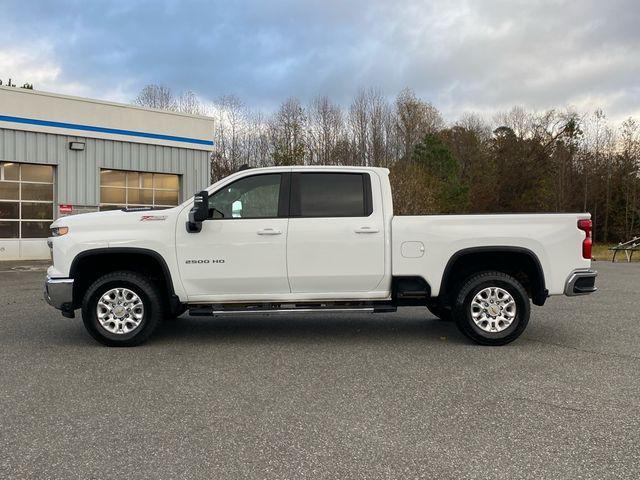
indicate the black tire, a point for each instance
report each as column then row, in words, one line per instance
column 475, row 284
column 442, row 313
column 148, row 293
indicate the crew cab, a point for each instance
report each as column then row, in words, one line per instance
column 298, row 239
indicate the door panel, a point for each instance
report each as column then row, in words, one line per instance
column 235, row 257
column 326, row 255
column 330, row 252
column 242, row 248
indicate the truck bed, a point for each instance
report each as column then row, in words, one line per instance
column 423, row 245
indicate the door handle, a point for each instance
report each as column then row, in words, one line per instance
column 269, row 231
column 367, row 230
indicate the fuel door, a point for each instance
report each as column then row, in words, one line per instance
column 412, row 249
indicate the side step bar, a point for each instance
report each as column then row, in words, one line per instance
column 243, row 309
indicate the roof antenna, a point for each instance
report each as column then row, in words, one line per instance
column 244, row 166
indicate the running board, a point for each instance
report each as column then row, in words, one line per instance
column 235, row 309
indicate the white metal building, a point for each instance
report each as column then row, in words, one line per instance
column 62, row 155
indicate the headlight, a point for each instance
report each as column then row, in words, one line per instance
column 59, row 231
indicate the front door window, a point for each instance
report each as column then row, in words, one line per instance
column 250, row 197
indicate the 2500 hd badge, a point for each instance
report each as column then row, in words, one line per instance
column 206, row 260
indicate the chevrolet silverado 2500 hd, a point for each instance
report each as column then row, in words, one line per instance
column 294, row 239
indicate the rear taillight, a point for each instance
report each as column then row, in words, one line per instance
column 586, row 226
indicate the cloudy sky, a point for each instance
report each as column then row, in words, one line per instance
column 475, row 55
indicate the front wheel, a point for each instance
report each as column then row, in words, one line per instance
column 492, row 308
column 122, row 309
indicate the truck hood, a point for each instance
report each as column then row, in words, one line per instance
column 116, row 218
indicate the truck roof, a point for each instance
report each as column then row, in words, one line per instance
column 297, row 168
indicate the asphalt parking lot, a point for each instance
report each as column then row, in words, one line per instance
column 325, row 395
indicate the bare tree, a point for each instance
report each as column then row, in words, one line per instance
column 476, row 124
column 630, row 163
column 379, row 116
column 230, row 119
column 325, row 127
column 593, row 157
column 519, row 120
column 258, row 141
column 156, row 96
column 359, row 126
column 287, row 133
column 188, row 102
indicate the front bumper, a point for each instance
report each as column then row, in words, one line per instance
column 581, row 282
column 58, row 292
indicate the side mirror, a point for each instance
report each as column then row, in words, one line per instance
column 199, row 212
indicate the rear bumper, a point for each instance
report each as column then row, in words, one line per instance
column 581, row 282
column 58, row 292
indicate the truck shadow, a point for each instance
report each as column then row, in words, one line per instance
column 310, row 327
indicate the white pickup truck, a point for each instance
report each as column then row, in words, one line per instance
column 298, row 239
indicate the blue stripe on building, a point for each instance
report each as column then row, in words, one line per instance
column 113, row 131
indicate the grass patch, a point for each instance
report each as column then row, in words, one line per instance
column 602, row 253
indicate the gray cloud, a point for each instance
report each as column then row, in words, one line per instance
column 469, row 55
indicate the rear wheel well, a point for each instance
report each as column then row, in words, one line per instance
column 520, row 263
column 89, row 266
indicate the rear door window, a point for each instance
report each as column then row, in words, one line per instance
column 332, row 194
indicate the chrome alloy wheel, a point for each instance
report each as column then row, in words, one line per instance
column 493, row 309
column 120, row 311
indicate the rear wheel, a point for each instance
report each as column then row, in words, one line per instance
column 122, row 309
column 492, row 308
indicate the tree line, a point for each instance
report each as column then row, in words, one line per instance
column 521, row 161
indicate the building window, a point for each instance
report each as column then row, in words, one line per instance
column 121, row 189
column 26, row 200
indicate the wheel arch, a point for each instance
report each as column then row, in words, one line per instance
column 519, row 262
column 88, row 265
